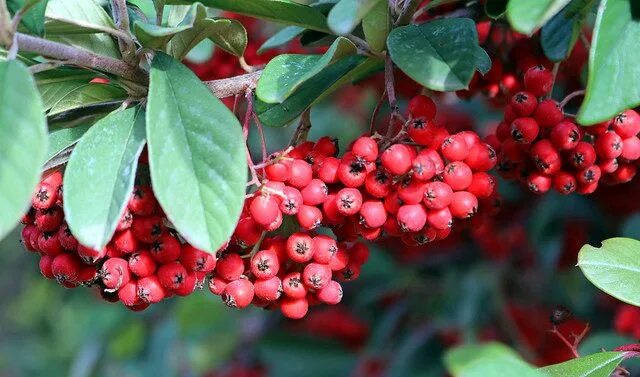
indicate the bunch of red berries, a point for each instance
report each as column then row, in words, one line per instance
column 143, row 263
column 543, row 149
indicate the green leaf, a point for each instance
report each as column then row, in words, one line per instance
column 600, row 364
column 227, row 34
column 614, row 268
column 64, row 138
column 100, row 174
column 351, row 68
column 282, row 11
column 33, row 19
column 495, row 8
column 376, row 25
column 482, row 61
column 56, row 83
column 527, row 16
column 196, row 154
column 614, row 73
column 560, row 34
column 487, row 360
column 285, row 73
column 156, row 36
column 85, row 95
column 347, row 14
column 441, row 54
column 282, row 37
column 23, row 142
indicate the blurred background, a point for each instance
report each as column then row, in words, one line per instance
column 495, row 278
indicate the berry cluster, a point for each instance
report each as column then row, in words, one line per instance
column 543, row 149
column 143, row 263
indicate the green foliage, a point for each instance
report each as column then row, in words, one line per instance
column 75, row 95
column 283, row 11
column 614, row 75
column 100, row 174
column 597, row 365
column 614, row 268
column 347, row 14
column 196, row 155
column 227, row 34
column 441, row 54
column 282, row 37
column 376, row 26
column 528, row 16
column 487, row 360
column 286, row 73
column 56, row 83
column 23, row 142
column 33, row 19
column 560, row 34
column 157, row 36
column 64, row 138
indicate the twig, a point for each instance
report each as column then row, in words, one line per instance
column 303, row 129
column 585, row 41
column 159, row 5
column 408, row 10
column 224, row 88
column 576, row 341
column 376, row 110
column 245, row 131
column 246, row 66
column 554, row 72
column 79, row 57
column 126, row 45
column 5, row 20
column 571, row 96
column 263, row 142
column 41, row 67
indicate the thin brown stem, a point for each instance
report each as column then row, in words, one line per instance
column 408, row 10
column 554, row 72
column 302, row 130
column 571, row 96
column 126, row 44
column 224, row 88
column 377, row 110
column 5, row 21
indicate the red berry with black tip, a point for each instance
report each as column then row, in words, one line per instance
column 165, row 249
column 194, row 259
column 238, row 293
column 142, row 264
column 150, row 290
column 230, row 266
column 524, row 104
column 172, row 275
column 538, row 80
column 142, row 201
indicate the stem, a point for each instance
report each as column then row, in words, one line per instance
column 577, row 339
column 554, row 72
column 303, row 129
column 224, row 88
column 245, row 131
column 263, row 142
column 408, row 10
column 5, row 20
column 376, row 110
column 126, row 45
column 79, row 57
column 159, row 5
column 571, row 96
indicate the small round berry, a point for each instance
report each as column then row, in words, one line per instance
column 583, row 155
column 463, row 205
column 247, row 232
column 366, row 148
column 608, row 145
column 438, row 195
column 331, row 294
column 481, row 157
column 293, row 287
column 378, row 183
column 420, row 131
column 626, row 124
column 411, row 191
column 423, row 168
column 539, row 183
column 300, row 173
column 294, row 308
column 126, row 242
column 397, row 159
column 188, row 286
column 172, row 275
column 352, row 171
column 523, row 104
column 548, row 113
column 194, row 259
column 165, row 249
column 631, row 148
column 89, row 255
column 440, row 219
column 455, row 148
column 309, row 217
column 238, row 293
column 564, row 182
column 483, row 185
column 315, row 192
column 373, row 214
column 421, row 106
column 264, row 209
column 50, row 219
column 565, row 135
column 457, row 175
column 349, row 201
column 147, row 228
column 268, row 289
column 115, row 273
column 150, row 290
column 265, row 264
column 217, row 285
column 524, row 130
column 589, row 175
column 142, row 264
column 142, row 201
column 538, row 80
column 300, row 247
column 316, row 276
column 230, row 266
column 324, row 248
column 412, row 217
column 128, row 294
column 65, row 268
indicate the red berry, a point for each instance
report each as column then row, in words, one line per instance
column 589, row 175
column 423, row 168
column 300, row 173
column 269, row 289
column 115, row 273
column 309, row 217
column 65, row 268
column 45, row 266
column 481, row 157
column 172, row 275
column 150, row 290
column 524, row 130
column 316, row 276
column 352, row 171
column 294, row 308
column 548, row 113
column 539, row 183
column 45, row 196
column 378, row 183
column 463, row 205
column 230, row 266
column 125, row 220
column 194, row 259
column 412, row 217
column 293, row 287
column 276, row 171
column 608, row 145
column 349, row 201
column 440, row 219
column 147, row 228
column 247, row 232
column 545, row 156
column 631, row 148
column 142, row 201
column 524, row 104
column 583, row 155
column 50, row 219
column 411, row 191
column 188, row 286
column 422, row 106
column 217, row 285
column 265, row 264
column 373, row 214
column 315, row 192
column 455, row 148
column 26, row 237
column 142, row 264
column 397, row 159
column 89, row 255
column 326, row 146
column 420, row 131
column 366, row 148
column 565, row 135
column 538, row 80
column 128, row 294
column 437, row 195
column 324, row 248
column 331, row 294
column 166, row 249
column 328, row 170
column 564, row 183
column 482, row 185
column 350, row 272
column 300, row 247
column 457, row 175
column 126, row 242
column 626, row 124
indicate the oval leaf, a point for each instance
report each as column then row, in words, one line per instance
column 614, row 74
column 283, row 11
column 64, row 138
column 441, row 54
column 282, row 37
column 285, row 73
column 376, row 25
column 23, row 142
column 614, row 268
column 600, row 364
column 33, row 19
column 487, row 360
column 527, row 16
column 84, row 95
column 100, row 174
column 560, row 34
column 347, row 14
column 196, row 154
column 227, row 34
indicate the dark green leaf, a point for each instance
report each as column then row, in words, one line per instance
column 107, row 157
column 64, row 138
column 84, row 95
column 560, row 34
column 600, row 364
column 527, row 16
column 495, row 8
column 614, row 268
column 227, row 34
column 284, row 36
column 156, row 36
column 482, row 61
column 440, row 54
column 487, row 360
column 196, row 155
column 285, row 73
column 376, row 25
column 286, row 12
column 56, row 83
column 614, row 73
column 351, row 68
column 23, row 142
column 33, row 19
column 347, row 14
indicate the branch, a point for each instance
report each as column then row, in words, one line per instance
column 408, row 10
column 126, row 45
column 224, row 88
column 79, row 57
column 5, row 21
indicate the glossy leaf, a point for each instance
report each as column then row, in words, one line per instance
column 282, row 37
column 560, row 34
column 64, row 138
column 227, row 34
column 614, row 74
column 196, row 155
column 487, row 360
column 285, row 73
column 157, row 36
column 282, row 11
column 376, row 26
column 482, row 61
column 441, row 54
column 23, row 142
column 348, row 69
column 85, row 95
column 528, row 16
column 56, row 83
column 347, row 14
column 614, row 268
column 33, row 19
column 100, row 174
column 600, row 364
